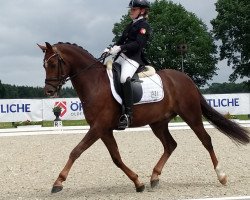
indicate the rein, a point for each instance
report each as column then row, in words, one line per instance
column 102, row 58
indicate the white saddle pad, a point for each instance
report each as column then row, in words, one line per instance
column 152, row 89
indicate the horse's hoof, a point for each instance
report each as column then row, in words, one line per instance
column 56, row 189
column 223, row 180
column 140, row 189
column 154, row 183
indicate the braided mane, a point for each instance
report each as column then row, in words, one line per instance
column 75, row 45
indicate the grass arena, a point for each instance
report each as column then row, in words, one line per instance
column 31, row 163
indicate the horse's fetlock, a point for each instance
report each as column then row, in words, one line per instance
column 156, row 171
column 62, row 177
column 135, row 178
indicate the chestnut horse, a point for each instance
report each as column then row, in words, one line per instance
column 65, row 61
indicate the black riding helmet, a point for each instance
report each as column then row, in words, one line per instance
column 139, row 3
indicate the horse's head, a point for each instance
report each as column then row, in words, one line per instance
column 55, row 68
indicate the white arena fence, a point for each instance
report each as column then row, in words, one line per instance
column 16, row 110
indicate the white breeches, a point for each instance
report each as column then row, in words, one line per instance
column 128, row 67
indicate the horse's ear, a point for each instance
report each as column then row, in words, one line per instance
column 48, row 45
column 42, row 47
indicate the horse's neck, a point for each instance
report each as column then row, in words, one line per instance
column 89, row 81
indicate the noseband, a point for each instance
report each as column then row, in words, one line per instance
column 61, row 77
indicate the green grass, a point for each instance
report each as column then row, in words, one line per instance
column 6, row 125
column 66, row 123
column 243, row 117
column 83, row 122
column 43, row 123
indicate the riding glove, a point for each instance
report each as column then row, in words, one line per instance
column 106, row 50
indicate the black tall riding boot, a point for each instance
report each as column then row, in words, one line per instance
column 126, row 118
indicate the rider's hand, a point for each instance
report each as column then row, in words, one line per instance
column 106, row 50
column 115, row 49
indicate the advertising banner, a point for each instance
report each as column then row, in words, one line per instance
column 71, row 109
column 15, row 110
column 234, row 104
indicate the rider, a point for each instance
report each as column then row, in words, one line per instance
column 130, row 48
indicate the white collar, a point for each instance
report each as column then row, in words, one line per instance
column 135, row 20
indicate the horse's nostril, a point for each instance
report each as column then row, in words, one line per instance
column 49, row 93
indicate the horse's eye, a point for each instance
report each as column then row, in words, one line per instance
column 48, row 64
column 44, row 64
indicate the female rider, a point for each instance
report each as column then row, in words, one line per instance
column 130, row 48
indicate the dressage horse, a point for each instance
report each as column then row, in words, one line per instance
column 65, row 61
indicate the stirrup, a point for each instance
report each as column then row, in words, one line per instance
column 124, row 122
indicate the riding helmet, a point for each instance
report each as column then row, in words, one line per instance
column 139, row 3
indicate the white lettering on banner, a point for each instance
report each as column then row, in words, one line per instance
column 14, row 110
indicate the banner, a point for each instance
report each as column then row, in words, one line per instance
column 234, row 104
column 16, row 110
column 71, row 109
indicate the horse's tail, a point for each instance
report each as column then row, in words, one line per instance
column 233, row 130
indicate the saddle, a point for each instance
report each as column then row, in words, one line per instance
column 136, row 82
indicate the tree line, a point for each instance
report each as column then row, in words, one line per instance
column 26, row 92
column 8, row 91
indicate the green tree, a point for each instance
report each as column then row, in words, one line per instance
column 2, row 90
column 22, row 92
column 222, row 88
column 172, row 25
column 232, row 28
column 68, row 92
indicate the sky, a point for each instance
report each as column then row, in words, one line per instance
column 88, row 23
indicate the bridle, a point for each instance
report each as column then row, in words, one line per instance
column 63, row 78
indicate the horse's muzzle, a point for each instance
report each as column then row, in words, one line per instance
column 50, row 91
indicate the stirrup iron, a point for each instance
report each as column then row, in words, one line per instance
column 124, row 122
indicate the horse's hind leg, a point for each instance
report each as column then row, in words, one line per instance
column 112, row 147
column 207, row 143
column 194, row 120
column 161, row 131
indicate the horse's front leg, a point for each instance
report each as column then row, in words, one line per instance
column 112, row 147
column 90, row 138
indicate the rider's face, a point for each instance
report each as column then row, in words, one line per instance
column 134, row 12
